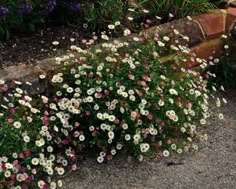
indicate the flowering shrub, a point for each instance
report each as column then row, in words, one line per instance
column 115, row 98
column 27, row 14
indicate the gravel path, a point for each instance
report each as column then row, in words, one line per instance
column 212, row 167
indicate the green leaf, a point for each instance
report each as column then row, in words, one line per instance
column 7, row 34
column 31, row 27
column 2, row 30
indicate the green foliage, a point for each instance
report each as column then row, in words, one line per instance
column 95, row 15
column 178, row 8
column 101, row 13
column 225, row 71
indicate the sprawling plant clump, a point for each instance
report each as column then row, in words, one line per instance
column 115, row 98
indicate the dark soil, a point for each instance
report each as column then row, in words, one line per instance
column 27, row 49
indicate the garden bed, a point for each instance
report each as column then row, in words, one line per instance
column 24, row 49
column 141, row 95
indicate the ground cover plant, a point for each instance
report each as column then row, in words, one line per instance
column 28, row 15
column 115, row 98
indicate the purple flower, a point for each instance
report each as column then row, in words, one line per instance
column 51, row 5
column 25, row 9
column 3, row 11
column 74, row 7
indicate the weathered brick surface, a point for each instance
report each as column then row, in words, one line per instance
column 204, row 51
column 185, row 27
column 209, row 48
column 231, row 19
column 25, row 73
column 212, row 24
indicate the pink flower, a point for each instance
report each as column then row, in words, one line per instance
column 87, row 112
column 55, row 98
column 146, row 25
column 34, row 171
column 161, row 131
column 27, row 152
column 130, row 76
column 24, row 187
column 65, row 142
column 28, row 179
column 107, row 92
column 117, row 121
column 109, row 157
column 84, row 41
column 46, row 120
column 148, row 21
column 21, row 155
column 4, row 88
column 140, row 93
column 169, row 141
column 90, row 75
column 12, row 110
column 77, row 124
column 155, row 54
column 45, row 186
column 145, row 77
column 145, row 135
column 13, row 176
column 141, row 39
column 74, row 167
column 15, row 162
column 23, row 169
column 153, row 138
column 147, row 67
column 95, row 37
column 150, row 116
column 10, row 120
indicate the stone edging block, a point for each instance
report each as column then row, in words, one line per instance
column 25, row 73
column 204, row 32
column 184, row 26
column 213, row 24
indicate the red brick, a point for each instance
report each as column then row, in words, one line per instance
column 204, row 51
column 230, row 20
column 209, row 48
column 213, row 24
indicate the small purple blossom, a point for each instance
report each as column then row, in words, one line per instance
column 51, row 5
column 74, row 7
column 3, row 11
column 25, row 9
